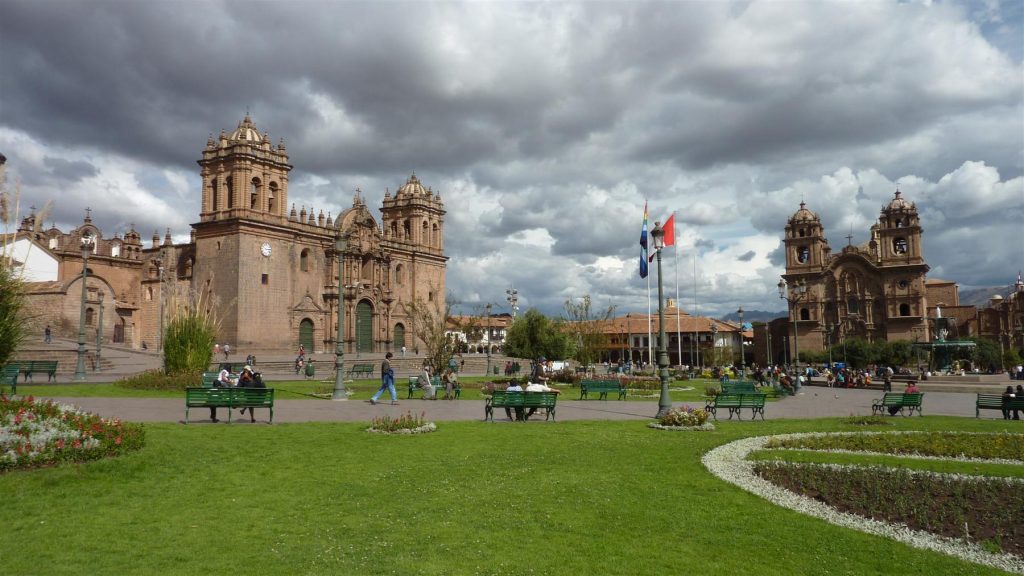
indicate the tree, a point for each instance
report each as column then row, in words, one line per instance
column 585, row 328
column 12, row 301
column 430, row 326
column 534, row 334
column 986, row 354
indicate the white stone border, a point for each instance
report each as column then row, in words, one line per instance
column 729, row 462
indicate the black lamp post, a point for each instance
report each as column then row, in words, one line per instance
column 99, row 334
column 339, row 393
column 664, row 401
column 793, row 294
column 743, row 360
column 488, row 308
column 88, row 243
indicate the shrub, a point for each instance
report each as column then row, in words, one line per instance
column 684, row 416
column 44, row 433
column 189, row 334
column 157, row 380
column 566, row 376
column 12, row 299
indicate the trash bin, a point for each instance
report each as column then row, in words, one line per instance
column 310, row 370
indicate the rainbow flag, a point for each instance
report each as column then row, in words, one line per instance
column 643, row 245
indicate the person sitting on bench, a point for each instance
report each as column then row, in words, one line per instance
column 910, row 389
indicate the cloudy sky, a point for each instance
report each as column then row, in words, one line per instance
column 545, row 126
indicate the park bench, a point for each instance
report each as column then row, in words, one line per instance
column 739, row 387
column 361, row 371
column 28, row 367
column 602, row 388
column 9, row 377
column 229, row 398
column 210, row 378
column 414, row 386
column 735, row 403
column 900, row 400
column 995, row 402
column 521, row 402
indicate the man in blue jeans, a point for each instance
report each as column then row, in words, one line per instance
column 387, row 380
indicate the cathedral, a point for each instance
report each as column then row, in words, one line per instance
column 874, row 291
column 268, row 271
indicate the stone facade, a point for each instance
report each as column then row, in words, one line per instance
column 875, row 291
column 268, row 270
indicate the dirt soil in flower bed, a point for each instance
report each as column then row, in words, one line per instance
column 992, row 509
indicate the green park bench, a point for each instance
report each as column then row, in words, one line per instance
column 361, row 371
column 900, row 400
column 9, row 377
column 739, row 387
column 229, row 398
column 602, row 388
column 28, row 367
column 414, row 385
column 521, row 402
column 735, row 403
column 995, row 402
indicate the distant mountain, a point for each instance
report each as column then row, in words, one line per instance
column 754, row 316
column 980, row 296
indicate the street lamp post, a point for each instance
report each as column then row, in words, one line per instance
column 743, row 360
column 513, row 300
column 828, row 340
column 160, row 314
column 488, row 308
column 629, row 342
column 793, row 294
column 87, row 245
column 339, row 393
column 664, row 401
column 622, row 356
column 99, row 334
column 714, row 345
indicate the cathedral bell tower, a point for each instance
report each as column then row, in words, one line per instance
column 807, row 249
column 244, row 176
column 899, row 233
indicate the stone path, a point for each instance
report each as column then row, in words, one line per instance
column 811, row 403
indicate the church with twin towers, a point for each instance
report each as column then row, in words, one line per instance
column 269, row 270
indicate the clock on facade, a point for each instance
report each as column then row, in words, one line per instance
column 265, row 249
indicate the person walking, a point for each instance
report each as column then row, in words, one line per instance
column 387, row 380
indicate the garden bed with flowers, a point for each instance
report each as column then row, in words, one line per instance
column 36, row 433
column 970, row 515
column 405, row 424
column 683, row 418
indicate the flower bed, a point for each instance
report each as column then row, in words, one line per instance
column 683, row 418
column 404, row 424
column 43, row 433
column 729, row 462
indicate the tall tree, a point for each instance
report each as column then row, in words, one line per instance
column 584, row 326
column 430, row 321
column 534, row 334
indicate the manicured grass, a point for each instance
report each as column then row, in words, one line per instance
column 946, row 466
column 328, row 498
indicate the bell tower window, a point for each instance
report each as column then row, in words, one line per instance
column 272, row 198
column 214, row 195
column 254, row 193
column 899, row 245
column 803, row 254
column 230, row 190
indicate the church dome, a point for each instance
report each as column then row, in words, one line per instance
column 412, row 187
column 804, row 215
column 246, row 131
column 899, row 203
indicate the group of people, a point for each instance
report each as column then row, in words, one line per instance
column 449, row 381
column 247, row 378
column 538, row 383
column 225, row 349
column 1011, row 394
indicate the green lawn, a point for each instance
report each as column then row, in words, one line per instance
column 471, row 498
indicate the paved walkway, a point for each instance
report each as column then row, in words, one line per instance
column 811, row 403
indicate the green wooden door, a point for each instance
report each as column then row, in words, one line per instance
column 364, row 327
column 399, row 336
column 306, row 335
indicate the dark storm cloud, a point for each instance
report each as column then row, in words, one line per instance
column 545, row 126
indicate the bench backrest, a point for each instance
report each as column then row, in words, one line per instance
column 251, row 396
column 600, row 384
column 738, row 388
column 10, row 373
column 901, row 399
column 740, row 400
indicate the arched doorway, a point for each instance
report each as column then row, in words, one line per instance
column 364, row 327
column 306, row 334
column 399, row 336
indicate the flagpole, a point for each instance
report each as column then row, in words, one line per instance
column 650, row 348
column 696, row 334
column 679, row 337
